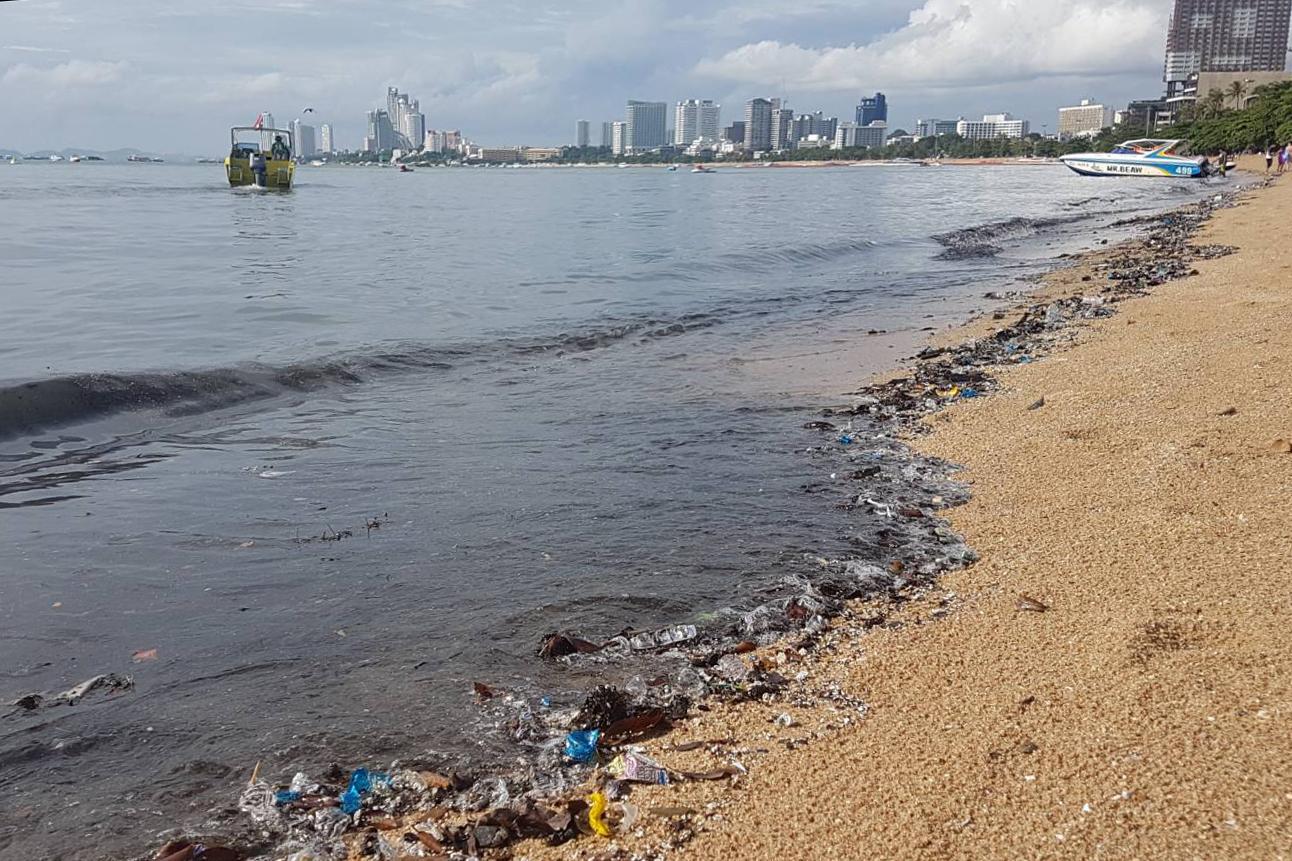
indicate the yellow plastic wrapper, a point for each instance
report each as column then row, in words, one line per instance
column 597, row 809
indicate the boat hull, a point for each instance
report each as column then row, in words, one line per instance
column 1134, row 167
column 279, row 173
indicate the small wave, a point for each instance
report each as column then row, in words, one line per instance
column 984, row 239
column 31, row 407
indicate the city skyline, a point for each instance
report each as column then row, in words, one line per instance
column 80, row 78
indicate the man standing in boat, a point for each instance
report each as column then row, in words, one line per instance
column 280, row 151
column 256, row 161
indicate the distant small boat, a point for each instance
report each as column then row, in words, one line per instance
column 317, row 163
column 403, row 168
column 672, row 167
column 699, row 168
column 13, row 159
column 74, row 159
column 55, row 158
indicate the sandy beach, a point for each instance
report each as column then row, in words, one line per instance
column 1112, row 678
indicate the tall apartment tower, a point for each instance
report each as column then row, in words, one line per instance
column 875, row 108
column 758, row 125
column 326, row 144
column 582, row 135
column 696, row 118
column 782, row 121
column 1225, row 36
column 607, row 134
column 645, row 125
column 381, row 133
column 303, row 139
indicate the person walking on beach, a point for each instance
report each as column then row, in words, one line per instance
column 1222, row 163
column 1269, row 159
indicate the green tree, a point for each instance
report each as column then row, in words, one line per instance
column 1237, row 91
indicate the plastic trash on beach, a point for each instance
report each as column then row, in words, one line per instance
column 581, row 745
column 110, row 681
column 259, row 801
column 663, row 638
column 362, row 782
column 596, row 812
column 638, row 768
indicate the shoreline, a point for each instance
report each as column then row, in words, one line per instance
column 889, row 401
column 976, row 741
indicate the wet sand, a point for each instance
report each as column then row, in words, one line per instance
column 1146, row 712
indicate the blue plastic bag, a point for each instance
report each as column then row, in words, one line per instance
column 286, row 796
column 581, row 745
column 361, row 783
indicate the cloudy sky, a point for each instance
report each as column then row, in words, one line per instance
column 173, row 75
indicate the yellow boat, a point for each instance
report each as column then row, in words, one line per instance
column 254, row 147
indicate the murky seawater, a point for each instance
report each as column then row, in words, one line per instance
column 524, row 401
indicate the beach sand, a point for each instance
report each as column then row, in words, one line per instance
column 1147, row 713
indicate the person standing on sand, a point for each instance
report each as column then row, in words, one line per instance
column 1269, row 160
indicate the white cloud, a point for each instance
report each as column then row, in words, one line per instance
column 960, row 43
column 70, row 75
column 32, row 49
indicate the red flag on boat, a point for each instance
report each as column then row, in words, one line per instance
column 260, row 121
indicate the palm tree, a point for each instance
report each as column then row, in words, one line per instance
column 1212, row 105
column 1237, row 90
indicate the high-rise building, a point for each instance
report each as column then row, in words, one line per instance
column 782, row 119
column 696, row 119
column 1084, row 120
column 992, row 126
column 851, row 135
column 710, row 119
column 582, row 135
column 1224, row 36
column 807, row 125
column 381, row 134
column 413, row 127
column 406, row 118
column 935, row 128
column 303, row 139
column 326, row 144
column 618, row 137
column 645, row 126
column 871, row 109
column 607, row 134
column 735, row 133
column 758, row 125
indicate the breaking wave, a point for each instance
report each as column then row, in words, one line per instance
column 984, row 239
column 31, row 407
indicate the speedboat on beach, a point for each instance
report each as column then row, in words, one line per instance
column 1148, row 157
